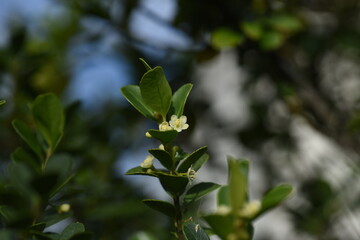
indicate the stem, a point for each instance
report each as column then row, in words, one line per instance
column 178, row 218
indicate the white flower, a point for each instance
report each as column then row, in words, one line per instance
column 148, row 162
column 250, row 209
column 161, row 147
column 178, row 124
column 223, row 210
column 164, row 126
column 148, row 135
column 191, row 174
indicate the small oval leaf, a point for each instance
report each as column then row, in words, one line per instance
column 164, row 207
column 155, row 91
column 198, row 191
column 164, row 157
column 191, row 159
column 133, row 95
column 163, row 136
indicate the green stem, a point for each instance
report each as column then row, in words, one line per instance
column 178, row 221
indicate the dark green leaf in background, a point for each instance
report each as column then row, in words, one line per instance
column 221, row 225
column 133, row 95
column 226, row 38
column 223, row 196
column 237, row 185
column 162, row 206
column 26, row 133
column 155, row 91
column 252, row 30
column 271, row 40
column 2, row 102
column 191, row 159
column 49, row 118
column 179, row 99
column 275, row 196
column 20, row 155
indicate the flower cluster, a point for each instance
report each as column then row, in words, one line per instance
column 175, row 123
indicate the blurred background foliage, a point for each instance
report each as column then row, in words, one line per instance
column 275, row 81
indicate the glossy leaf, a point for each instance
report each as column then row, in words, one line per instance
column 225, row 38
column 163, row 157
column 163, row 136
column 155, row 91
column 162, row 206
column 27, row 157
column 191, row 159
column 140, row 171
column 179, row 99
column 222, row 225
column 49, row 118
column 193, row 231
column 71, row 230
column 237, row 185
column 223, row 196
column 275, row 196
column 200, row 162
column 174, row 185
column 146, row 65
column 24, row 131
column 133, row 95
column 199, row 190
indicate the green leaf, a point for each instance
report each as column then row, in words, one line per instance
column 71, row 230
column 271, row 40
column 237, row 185
column 20, row 155
column 141, row 171
column 25, row 132
column 146, row 65
column 223, row 196
column 164, row 157
column 49, row 118
column 162, row 206
column 2, row 102
column 253, row 30
column 179, row 99
column 193, row 231
column 275, row 196
column 38, row 227
column 191, row 159
column 222, row 225
column 285, row 23
column 200, row 162
column 163, row 136
column 55, row 218
column 156, row 91
column 82, row 236
column 225, row 38
column 198, row 191
column 174, row 185
column 45, row 184
column 133, row 95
